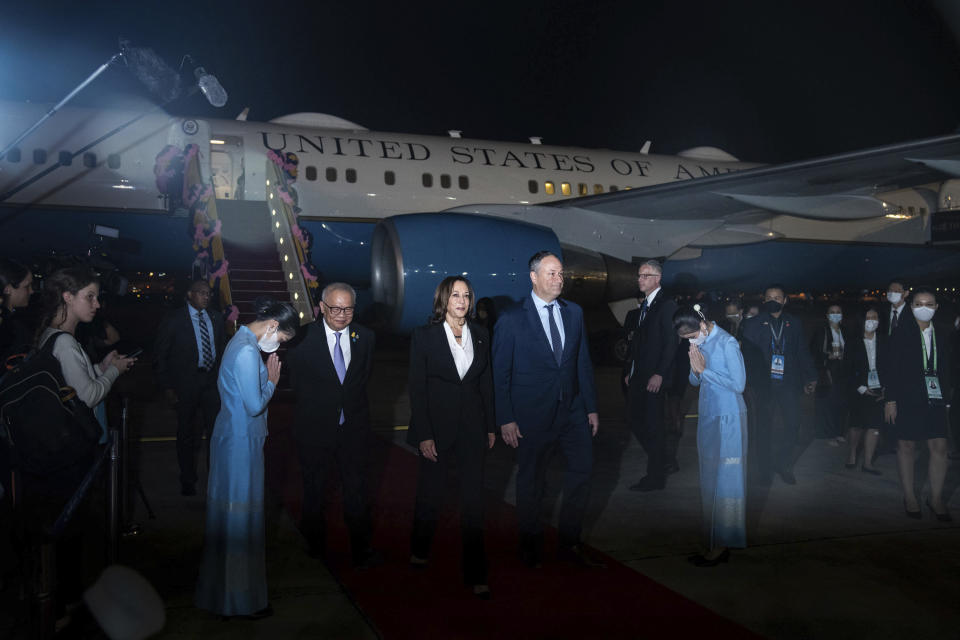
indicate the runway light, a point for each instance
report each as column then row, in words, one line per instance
column 296, row 296
column 301, row 315
column 286, row 258
column 291, row 275
column 271, row 196
column 273, row 211
column 277, row 223
column 281, row 239
column 268, row 183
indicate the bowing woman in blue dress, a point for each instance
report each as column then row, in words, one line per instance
column 233, row 579
column 716, row 366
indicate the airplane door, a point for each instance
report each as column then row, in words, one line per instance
column 226, row 166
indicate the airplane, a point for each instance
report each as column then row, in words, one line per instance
column 394, row 213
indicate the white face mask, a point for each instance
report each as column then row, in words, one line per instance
column 733, row 316
column 270, row 341
column 894, row 297
column 835, row 318
column 871, row 325
column 923, row 314
column 699, row 340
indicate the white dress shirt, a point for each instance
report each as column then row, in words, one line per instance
column 650, row 296
column 545, row 319
column 344, row 342
column 870, row 344
column 463, row 352
column 837, row 336
column 928, row 340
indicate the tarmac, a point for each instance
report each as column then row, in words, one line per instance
column 833, row 556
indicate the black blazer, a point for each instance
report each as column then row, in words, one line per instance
column 175, row 350
column 758, row 351
column 905, row 317
column 442, row 406
column 654, row 344
column 319, row 394
column 903, row 366
column 860, row 364
column 820, row 347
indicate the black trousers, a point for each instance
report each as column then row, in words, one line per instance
column 645, row 417
column 778, row 443
column 833, row 407
column 197, row 392
column 431, row 487
column 533, row 456
column 349, row 455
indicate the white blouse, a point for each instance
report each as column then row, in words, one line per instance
column 462, row 353
column 91, row 384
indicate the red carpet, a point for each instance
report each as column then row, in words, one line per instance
column 558, row 601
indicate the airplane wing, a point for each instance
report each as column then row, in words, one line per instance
column 838, row 187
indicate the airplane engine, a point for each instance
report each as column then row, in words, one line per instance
column 412, row 253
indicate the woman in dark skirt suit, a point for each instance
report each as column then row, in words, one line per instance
column 917, row 370
column 451, row 402
column 866, row 405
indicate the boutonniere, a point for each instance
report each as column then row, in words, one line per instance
column 353, row 336
column 788, row 324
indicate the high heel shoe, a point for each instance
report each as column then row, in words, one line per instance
column 482, row 591
column 916, row 515
column 941, row 517
column 700, row 560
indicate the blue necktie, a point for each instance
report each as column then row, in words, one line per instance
column 643, row 310
column 340, row 366
column 554, row 334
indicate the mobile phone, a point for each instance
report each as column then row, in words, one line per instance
column 135, row 353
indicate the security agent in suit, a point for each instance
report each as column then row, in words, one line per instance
column 779, row 369
column 647, row 374
column 451, row 403
column 898, row 313
column 545, row 396
column 187, row 351
column 329, row 371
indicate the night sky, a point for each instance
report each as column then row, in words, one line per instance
column 766, row 81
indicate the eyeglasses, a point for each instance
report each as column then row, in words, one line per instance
column 335, row 311
column 649, row 275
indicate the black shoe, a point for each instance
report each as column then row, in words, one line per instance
column 188, row 489
column 873, row 472
column 579, row 556
column 649, row 483
column 368, row 559
column 916, row 515
column 482, row 591
column 850, row 465
column 266, row 612
column 672, row 467
column 700, row 560
column 941, row 517
column 788, row 476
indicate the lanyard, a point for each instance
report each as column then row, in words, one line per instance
column 933, row 347
column 777, row 337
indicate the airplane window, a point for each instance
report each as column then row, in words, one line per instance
column 565, row 188
column 548, row 187
column 532, row 186
column 598, row 188
column 13, row 155
column 89, row 160
column 428, row 180
column 66, row 158
column 464, row 182
column 445, row 181
column 389, row 177
column 351, row 175
column 582, row 189
column 113, row 160
column 331, row 174
column 613, row 187
column 39, row 156
column 311, row 173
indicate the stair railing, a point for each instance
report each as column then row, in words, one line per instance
column 282, row 221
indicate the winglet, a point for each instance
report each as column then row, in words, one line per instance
column 645, row 149
column 243, row 114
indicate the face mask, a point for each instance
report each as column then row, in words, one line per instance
column 699, row 340
column 871, row 325
column 747, row 316
column 772, row 306
column 894, row 297
column 923, row 314
column 835, row 318
column 733, row 316
column 270, row 342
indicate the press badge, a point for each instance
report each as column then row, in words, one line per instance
column 934, row 393
column 873, row 380
column 776, row 367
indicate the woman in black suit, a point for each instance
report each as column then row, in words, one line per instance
column 451, row 401
column 917, row 373
column 866, row 404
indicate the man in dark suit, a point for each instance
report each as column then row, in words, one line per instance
column 545, row 396
column 647, row 374
column 329, row 370
column 187, row 353
column 779, row 369
column 894, row 318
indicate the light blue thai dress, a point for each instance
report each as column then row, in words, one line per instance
column 233, row 578
column 722, row 440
